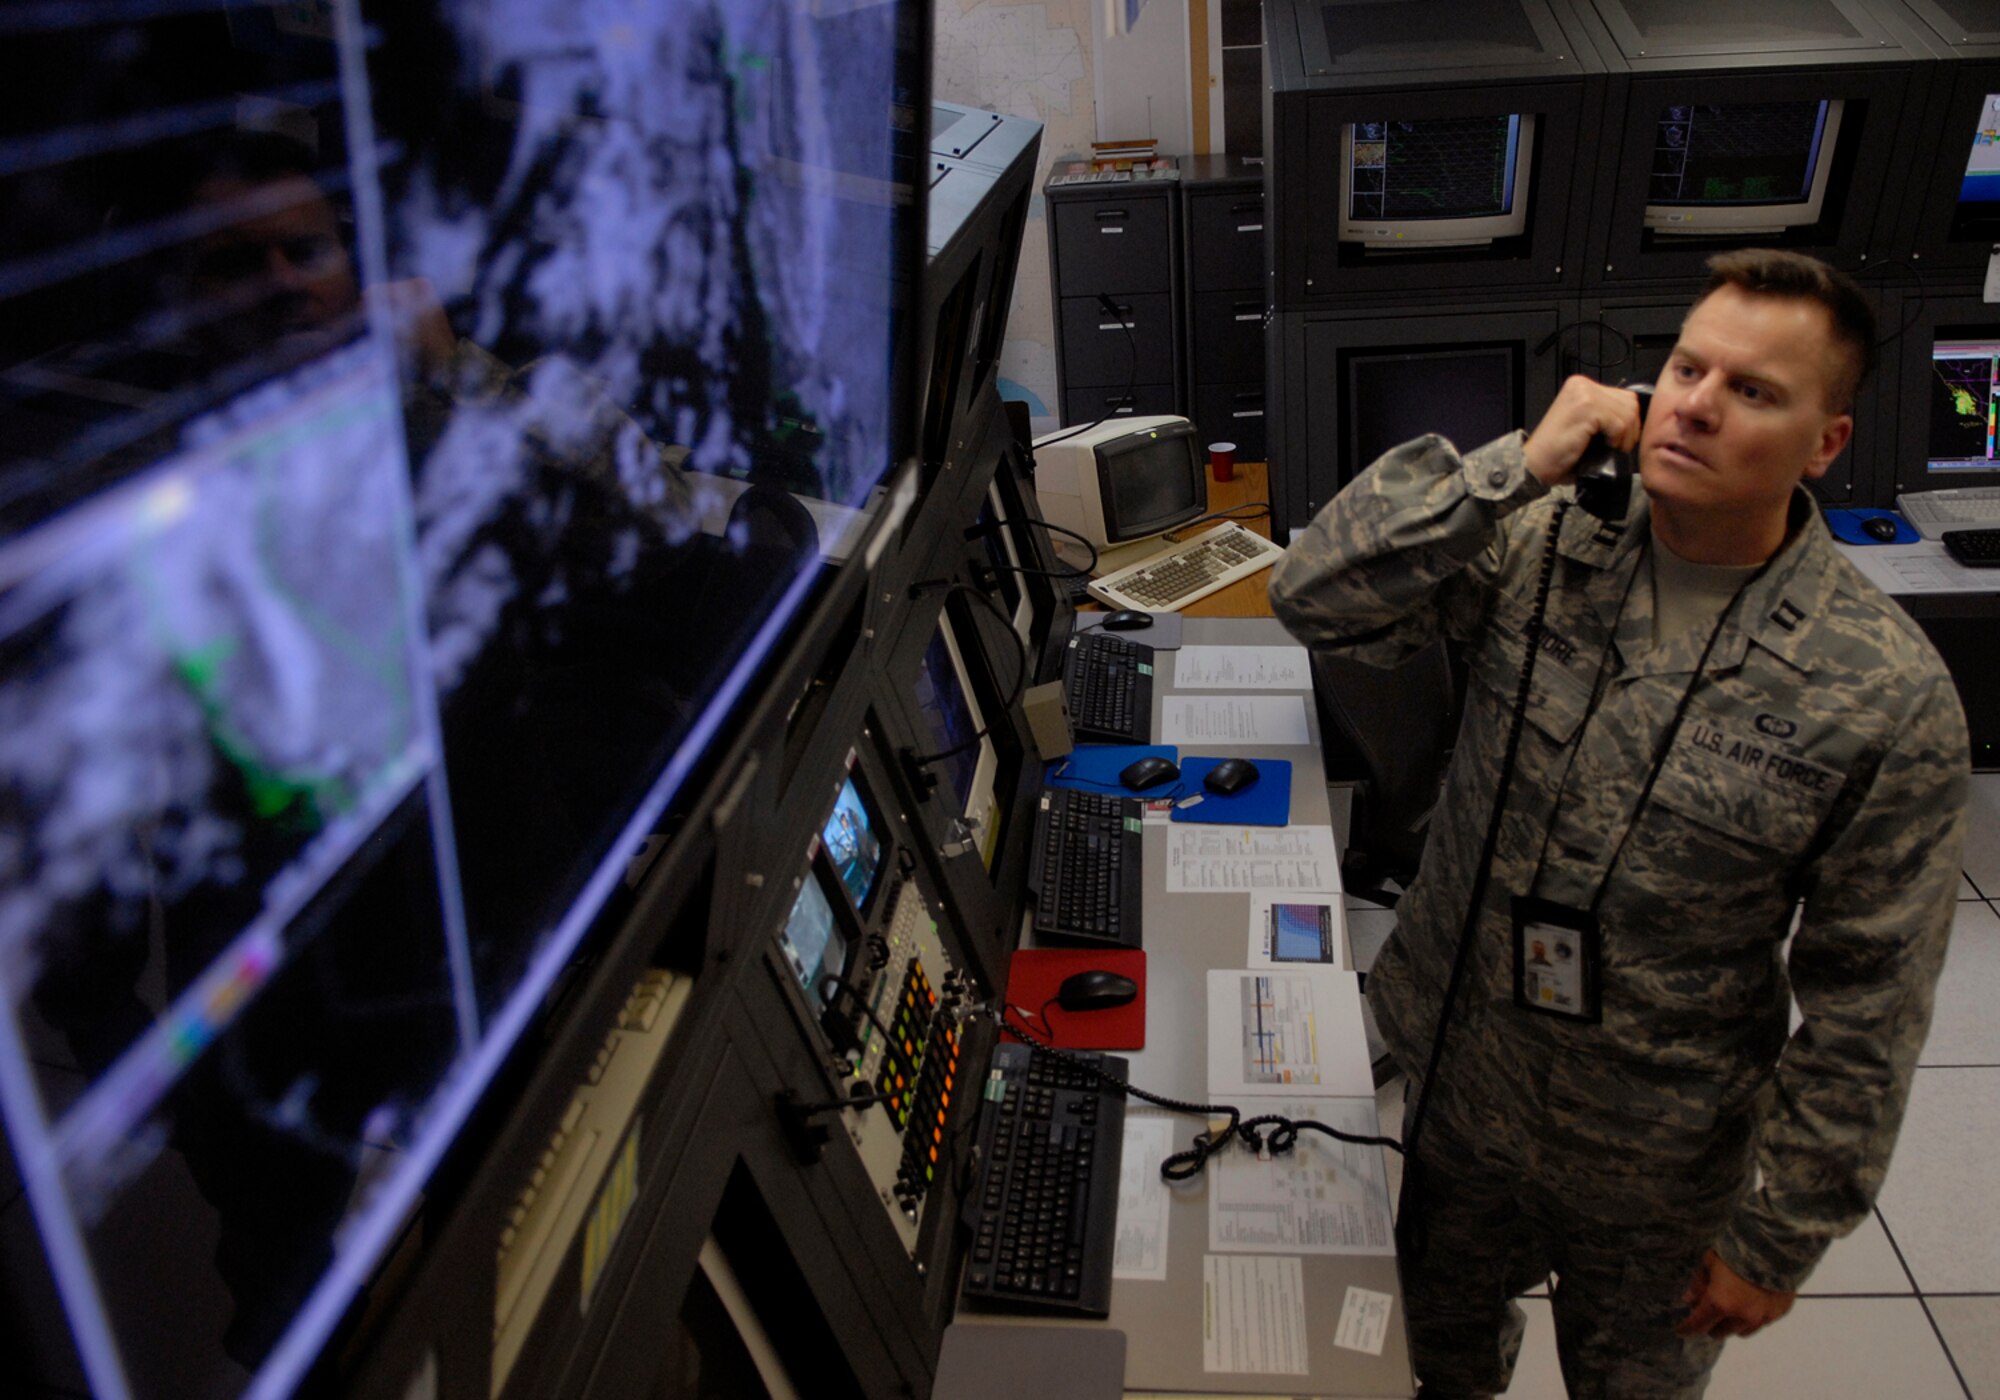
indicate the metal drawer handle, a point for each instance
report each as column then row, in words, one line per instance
column 1249, row 310
column 1248, row 413
column 1247, row 206
column 1249, row 228
column 1107, row 216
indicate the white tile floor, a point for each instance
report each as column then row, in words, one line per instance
column 1909, row 1305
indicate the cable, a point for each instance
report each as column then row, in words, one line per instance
column 1173, row 794
column 1412, row 1237
column 1601, row 366
column 1021, row 671
column 1188, row 1164
column 854, row 993
column 1131, row 379
column 1261, row 509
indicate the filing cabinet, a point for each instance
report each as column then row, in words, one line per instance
column 1120, row 241
column 1223, row 206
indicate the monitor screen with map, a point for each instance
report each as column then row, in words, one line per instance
column 422, row 421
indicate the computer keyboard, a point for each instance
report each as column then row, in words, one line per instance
column 1934, row 512
column 1191, row 569
column 1978, row 549
column 1084, row 868
column 1044, row 1213
column 1108, row 682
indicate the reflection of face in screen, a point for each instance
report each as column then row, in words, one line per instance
column 942, row 701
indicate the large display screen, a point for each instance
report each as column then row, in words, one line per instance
column 1979, row 189
column 416, row 418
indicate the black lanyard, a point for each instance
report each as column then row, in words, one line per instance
column 1597, row 693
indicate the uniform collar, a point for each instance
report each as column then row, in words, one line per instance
column 1779, row 612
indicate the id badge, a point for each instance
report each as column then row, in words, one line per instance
column 1557, row 955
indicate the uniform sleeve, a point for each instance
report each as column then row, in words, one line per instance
column 1864, row 967
column 1406, row 552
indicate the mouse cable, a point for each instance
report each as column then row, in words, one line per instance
column 1173, row 794
column 1282, row 1136
column 1023, row 666
column 1258, row 511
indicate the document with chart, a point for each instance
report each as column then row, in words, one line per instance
column 1325, row 1196
column 1286, row 1031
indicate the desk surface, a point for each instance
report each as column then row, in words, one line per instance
column 1186, row 935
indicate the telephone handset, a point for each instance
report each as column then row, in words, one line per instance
column 1604, row 474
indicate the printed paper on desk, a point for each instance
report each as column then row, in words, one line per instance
column 1253, row 1315
column 1230, row 719
column 1217, row 859
column 1242, row 668
column 1293, row 930
column 1142, row 1198
column 1325, row 1196
column 1918, row 568
column 1286, row 1031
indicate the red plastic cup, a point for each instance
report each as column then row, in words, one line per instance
column 1222, row 460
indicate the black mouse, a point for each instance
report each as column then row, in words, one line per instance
column 1095, row 990
column 1127, row 621
column 1148, row 772
column 1879, row 527
column 1232, row 775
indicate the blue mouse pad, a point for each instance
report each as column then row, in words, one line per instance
column 1095, row 768
column 1266, row 802
column 1846, row 526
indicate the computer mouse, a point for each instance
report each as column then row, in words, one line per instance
column 1148, row 772
column 1230, row 776
column 1095, row 990
column 1127, row 620
column 1879, row 527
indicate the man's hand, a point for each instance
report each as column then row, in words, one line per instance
column 1583, row 409
column 1722, row 1303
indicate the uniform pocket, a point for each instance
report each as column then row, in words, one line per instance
column 1557, row 700
column 1744, row 793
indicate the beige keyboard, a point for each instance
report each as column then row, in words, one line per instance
column 1192, row 569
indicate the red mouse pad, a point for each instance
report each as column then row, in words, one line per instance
column 1035, row 973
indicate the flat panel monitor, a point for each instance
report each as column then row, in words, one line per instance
column 1436, row 182
column 361, row 607
column 962, row 754
column 1978, row 210
column 1964, row 394
column 1741, row 168
column 812, row 940
column 1467, row 394
column 996, row 532
column 1121, row 481
column 853, row 839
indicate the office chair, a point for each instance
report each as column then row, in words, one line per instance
column 1391, row 732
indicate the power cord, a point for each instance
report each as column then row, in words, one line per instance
column 1412, row 1232
column 1186, row 1165
column 1131, row 379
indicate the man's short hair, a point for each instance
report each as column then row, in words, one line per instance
column 1772, row 272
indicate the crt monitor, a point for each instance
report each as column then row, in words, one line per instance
column 1467, row 394
column 853, row 840
column 1436, row 182
column 1741, row 168
column 360, row 616
column 1964, row 394
column 1122, row 480
column 1978, row 212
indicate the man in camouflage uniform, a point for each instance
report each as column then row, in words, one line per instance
column 1606, row 1122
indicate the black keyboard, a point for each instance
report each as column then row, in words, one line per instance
column 1084, row 869
column 1044, row 1213
column 1110, row 697
column 1978, row 549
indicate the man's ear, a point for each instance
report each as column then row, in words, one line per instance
column 1832, row 438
